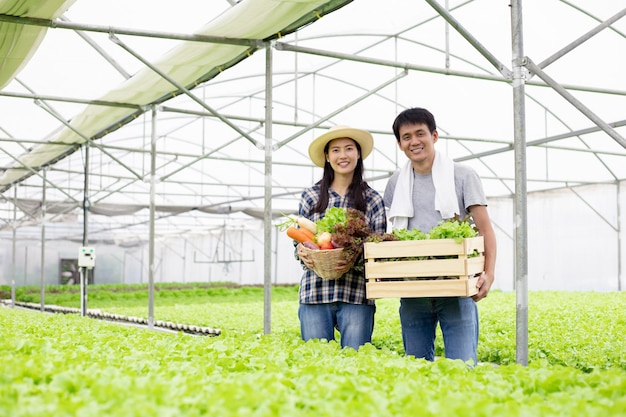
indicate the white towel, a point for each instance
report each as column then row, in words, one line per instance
column 402, row 203
column 446, row 202
column 445, row 192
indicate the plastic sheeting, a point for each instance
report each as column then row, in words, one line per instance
column 33, row 208
column 187, row 64
column 19, row 42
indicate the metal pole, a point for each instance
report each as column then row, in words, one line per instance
column 443, row 12
column 447, row 37
column 152, row 204
column 520, row 221
column 84, row 272
column 607, row 23
column 13, row 269
column 281, row 46
column 267, row 224
column 65, row 24
column 619, row 237
column 184, row 259
column 276, row 260
column 321, row 120
column 26, row 265
column 575, row 102
column 184, row 89
column 42, row 292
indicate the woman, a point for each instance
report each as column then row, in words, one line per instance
column 326, row 304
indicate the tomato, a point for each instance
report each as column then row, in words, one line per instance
column 326, row 246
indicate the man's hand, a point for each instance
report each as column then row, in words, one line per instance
column 484, row 285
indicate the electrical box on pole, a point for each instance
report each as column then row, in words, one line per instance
column 86, row 257
column 86, row 262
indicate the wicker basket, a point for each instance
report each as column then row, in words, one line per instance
column 325, row 261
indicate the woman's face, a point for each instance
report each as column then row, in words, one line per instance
column 343, row 155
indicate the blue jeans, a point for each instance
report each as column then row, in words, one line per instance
column 355, row 322
column 458, row 318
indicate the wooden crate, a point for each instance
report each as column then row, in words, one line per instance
column 391, row 273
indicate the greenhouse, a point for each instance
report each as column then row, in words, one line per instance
column 213, row 152
column 154, row 149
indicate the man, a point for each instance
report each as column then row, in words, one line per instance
column 428, row 189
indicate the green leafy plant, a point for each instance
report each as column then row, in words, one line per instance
column 453, row 229
column 69, row 365
column 446, row 229
column 332, row 217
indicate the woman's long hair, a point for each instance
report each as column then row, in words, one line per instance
column 356, row 190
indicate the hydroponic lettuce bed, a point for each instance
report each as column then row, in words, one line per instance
column 68, row 365
column 120, row 318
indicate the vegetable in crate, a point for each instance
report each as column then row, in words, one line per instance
column 381, row 237
column 446, row 229
column 456, row 229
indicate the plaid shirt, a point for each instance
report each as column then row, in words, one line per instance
column 350, row 288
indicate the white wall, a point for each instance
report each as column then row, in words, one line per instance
column 572, row 239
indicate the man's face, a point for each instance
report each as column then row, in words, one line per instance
column 417, row 142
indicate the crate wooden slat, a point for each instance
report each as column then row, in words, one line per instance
column 425, row 268
column 389, row 275
column 426, row 288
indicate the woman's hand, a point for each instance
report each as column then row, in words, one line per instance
column 304, row 256
column 343, row 266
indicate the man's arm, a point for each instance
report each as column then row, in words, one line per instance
column 483, row 223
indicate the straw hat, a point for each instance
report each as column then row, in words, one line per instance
column 362, row 137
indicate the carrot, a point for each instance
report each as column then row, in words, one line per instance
column 307, row 232
column 298, row 235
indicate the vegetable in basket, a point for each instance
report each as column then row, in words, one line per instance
column 339, row 228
